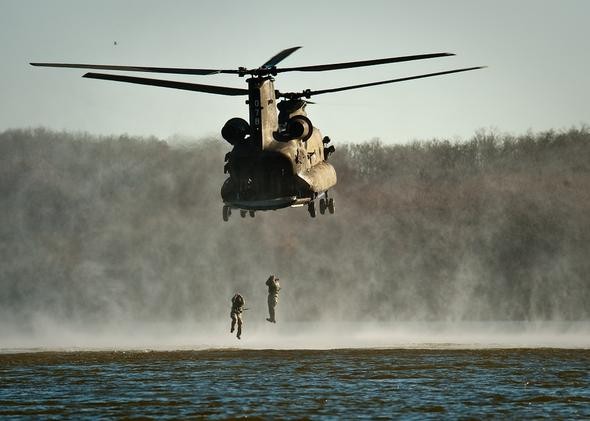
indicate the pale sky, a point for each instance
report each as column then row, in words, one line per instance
column 537, row 51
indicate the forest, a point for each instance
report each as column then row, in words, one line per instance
column 107, row 228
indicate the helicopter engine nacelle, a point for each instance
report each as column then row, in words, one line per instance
column 235, row 130
column 298, row 127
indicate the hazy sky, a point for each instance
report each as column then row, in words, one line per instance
column 537, row 52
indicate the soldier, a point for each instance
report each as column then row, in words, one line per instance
column 273, row 296
column 237, row 306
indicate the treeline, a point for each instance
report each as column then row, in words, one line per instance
column 98, row 229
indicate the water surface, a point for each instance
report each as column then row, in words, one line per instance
column 319, row 384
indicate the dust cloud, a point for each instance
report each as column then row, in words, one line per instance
column 118, row 242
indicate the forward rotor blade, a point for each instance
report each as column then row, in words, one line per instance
column 210, row 89
column 175, row 70
column 277, row 58
column 383, row 82
column 351, row 64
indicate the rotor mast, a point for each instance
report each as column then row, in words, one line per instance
column 262, row 99
column 263, row 110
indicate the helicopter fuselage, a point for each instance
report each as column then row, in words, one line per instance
column 280, row 160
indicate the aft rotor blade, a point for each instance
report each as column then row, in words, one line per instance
column 210, row 89
column 352, row 64
column 175, row 70
column 277, row 58
column 383, row 82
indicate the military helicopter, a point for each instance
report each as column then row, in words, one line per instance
column 279, row 159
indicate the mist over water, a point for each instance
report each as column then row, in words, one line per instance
column 258, row 334
column 118, row 242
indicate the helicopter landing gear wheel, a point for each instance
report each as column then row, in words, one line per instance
column 323, row 206
column 311, row 209
column 226, row 211
column 331, row 205
column 252, row 213
column 243, row 213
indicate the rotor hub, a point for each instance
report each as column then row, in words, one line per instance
column 258, row 72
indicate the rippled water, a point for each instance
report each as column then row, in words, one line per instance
column 353, row 383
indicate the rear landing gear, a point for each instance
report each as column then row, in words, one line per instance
column 226, row 211
column 311, row 209
column 326, row 204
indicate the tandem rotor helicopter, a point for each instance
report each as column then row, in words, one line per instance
column 279, row 159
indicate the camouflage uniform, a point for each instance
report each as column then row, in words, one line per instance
column 273, row 296
column 237, row 307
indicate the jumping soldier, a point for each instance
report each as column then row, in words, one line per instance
column 273, row 296
column 237, row 307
